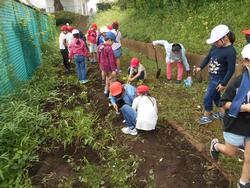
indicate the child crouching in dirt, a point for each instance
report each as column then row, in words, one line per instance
column 175, row 53
column 121, row 95
column 236, row 102
column 78, row 51
column 136, row 71
column 107, row 61
column 143, row 113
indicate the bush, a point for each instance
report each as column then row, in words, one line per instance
column 63, row 17
column 103, row 6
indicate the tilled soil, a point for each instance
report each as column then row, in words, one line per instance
column 167, row 159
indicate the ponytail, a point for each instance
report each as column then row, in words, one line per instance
column 231, row 37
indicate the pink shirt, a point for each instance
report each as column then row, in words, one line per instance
column 106, row 58
column 77, row 49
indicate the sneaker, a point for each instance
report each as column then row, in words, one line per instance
column 239, row 185
column 218, row 115
column 124, row 121
column 178, row 81
column 127, row 130
column 205, row 120
column 213, row 152
column 106, row 93
column 83, row 81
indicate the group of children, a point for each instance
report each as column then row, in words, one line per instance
column 139, row 109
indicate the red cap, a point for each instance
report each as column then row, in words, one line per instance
column 142, row 89
column 246, row 32
column 70, row 28
column 110, row 27
column 134, row 62
column 94, row 25
column 63, row 28
column 115, row 88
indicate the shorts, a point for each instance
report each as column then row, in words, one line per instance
column 92, row 48
column 235, row 139
column 118, row 52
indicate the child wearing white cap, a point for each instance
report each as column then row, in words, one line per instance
column 78, row 51
column 221, row 61
column 236, row 102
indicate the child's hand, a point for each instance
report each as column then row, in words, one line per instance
column 245, row 107
column 220, row 88
column 196, row 70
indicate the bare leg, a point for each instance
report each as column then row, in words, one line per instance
column 227, row 149
column 245, row 175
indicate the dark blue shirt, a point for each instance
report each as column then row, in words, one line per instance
column 221, row 63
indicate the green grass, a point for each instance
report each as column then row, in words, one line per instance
column 191, row 27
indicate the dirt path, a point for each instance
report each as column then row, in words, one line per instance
column 167, row 159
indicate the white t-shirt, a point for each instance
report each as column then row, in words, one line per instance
column 146, row 108
column 62, row 37
column 69, row 38
column 117, row 44
column 136, row 70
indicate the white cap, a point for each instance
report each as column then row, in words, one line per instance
column 217, row 33
column 104, row 29
column 75, row 31
column 114, row 31
column 246, row 52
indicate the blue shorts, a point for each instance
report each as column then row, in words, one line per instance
column 235, row 139
column 118, row 52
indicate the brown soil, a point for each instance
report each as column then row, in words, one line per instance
column 168, row 160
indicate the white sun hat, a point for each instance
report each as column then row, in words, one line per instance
column 217, row 33
column 75, row 31
column 104, row 29
column 246, row 52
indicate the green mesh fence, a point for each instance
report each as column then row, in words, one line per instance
column 23, row 31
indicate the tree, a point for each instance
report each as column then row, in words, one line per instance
column 58, row 5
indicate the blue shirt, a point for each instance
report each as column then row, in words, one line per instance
column 128, row 96
column 221, row 63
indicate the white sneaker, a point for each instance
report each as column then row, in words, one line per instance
column 83, row 81
column 124, row 121
column 127, row 130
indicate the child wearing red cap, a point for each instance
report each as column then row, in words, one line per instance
column 143, row 113
column 64, row 48
column 136, row 71
column 92, row 40
column 247, row 35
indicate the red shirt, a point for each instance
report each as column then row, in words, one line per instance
column 92, row 36
column 106, row 58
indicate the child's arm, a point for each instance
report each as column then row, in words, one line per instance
column 231, row 60
column 136, row 76
column 229, row 94
column 204, row 63
column 163, row 43
column 184, row 59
